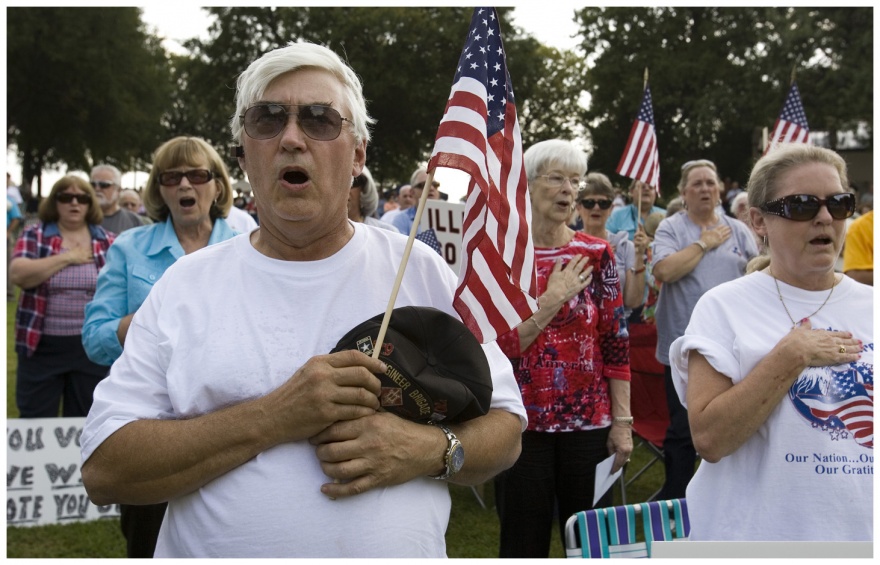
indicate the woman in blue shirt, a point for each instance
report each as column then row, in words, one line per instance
column 188, row 195
column 627, row 218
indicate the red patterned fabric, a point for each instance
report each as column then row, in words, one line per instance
column 563, row 375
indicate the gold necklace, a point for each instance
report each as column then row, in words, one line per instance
column 779, row 292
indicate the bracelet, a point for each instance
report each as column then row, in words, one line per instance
column 637, row 271
column 622, row 420
column 702, row 245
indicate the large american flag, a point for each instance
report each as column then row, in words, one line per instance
column 791, row 125
column 641, row 160
column 479, row 134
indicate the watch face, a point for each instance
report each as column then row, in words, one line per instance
column 457, row 457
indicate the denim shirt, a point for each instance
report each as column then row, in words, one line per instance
column 135, row 261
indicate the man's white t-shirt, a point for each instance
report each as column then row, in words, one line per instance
column 227, row 324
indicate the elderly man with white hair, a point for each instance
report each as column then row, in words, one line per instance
column 107, row 182
column 225, row 401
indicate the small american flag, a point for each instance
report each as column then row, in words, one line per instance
column 838, row 400
column 791, row 125
column 640, row 159
column 429, row 237
column 479, row 134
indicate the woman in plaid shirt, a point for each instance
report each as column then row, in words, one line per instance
column 56, row 264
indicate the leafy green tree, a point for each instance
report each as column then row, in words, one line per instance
column 85, row 85
column 718, row 75
column 406, row 58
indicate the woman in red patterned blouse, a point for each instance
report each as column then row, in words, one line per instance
column 571, row 359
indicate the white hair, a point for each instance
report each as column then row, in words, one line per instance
column 117, row 175
column 369, row 194
column 254, row 81
column 540, row 156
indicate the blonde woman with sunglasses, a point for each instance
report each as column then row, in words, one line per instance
column 777, row 371
column 189, row 195
column 56, row 263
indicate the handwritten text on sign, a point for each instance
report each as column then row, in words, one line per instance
column 43, row 481
column 446, row 219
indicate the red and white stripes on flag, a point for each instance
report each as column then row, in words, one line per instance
column 791, row 126
column 479, row 134
column 640, row 159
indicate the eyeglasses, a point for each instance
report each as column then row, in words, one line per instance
column 102, row 184
column 68, row 197
column 805, row 207
column 195, row 176
column 421, row 185
column 319, row 122
column 555, row 180
column 698, row 163
column 588, row 203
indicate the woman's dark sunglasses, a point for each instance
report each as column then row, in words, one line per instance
column 588, row 203
column 195, row 176
column 67, row 198
column 319, row 122
column 805, row 207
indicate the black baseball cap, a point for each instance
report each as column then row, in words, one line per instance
column 437, row 370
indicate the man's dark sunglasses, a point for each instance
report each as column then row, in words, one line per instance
column 588, row 203
column 195, row 176
column 67, row 198
column 319, row 122
column 805, row 207
column 421, row 185
column 101, row 184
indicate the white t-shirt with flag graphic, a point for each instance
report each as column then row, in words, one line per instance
column 807, row 473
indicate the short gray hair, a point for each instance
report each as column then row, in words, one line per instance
column 117, row 175
column 254, row 81
column 540, row 156
column 369, row 194
column 415, row 175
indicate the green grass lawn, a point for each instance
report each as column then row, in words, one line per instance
column 473, row 531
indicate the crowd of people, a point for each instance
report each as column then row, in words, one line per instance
column 197, row 343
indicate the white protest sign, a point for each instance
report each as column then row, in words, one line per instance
column 446, row 219
column 43, row 481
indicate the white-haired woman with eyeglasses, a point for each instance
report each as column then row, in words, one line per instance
column 777, row 371
column 363, row 200
column 695, row 249
column 189, row 195
column 571, row 360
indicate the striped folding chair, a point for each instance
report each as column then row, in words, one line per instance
column 614, row 532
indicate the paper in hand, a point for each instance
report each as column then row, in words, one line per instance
column 604, row 478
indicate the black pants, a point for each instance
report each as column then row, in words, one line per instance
column 59, row 373
column 554, row 474
column 679, row 455
column 140, row 526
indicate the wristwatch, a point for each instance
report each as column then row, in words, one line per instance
column 702, row 245
column 454, row 457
